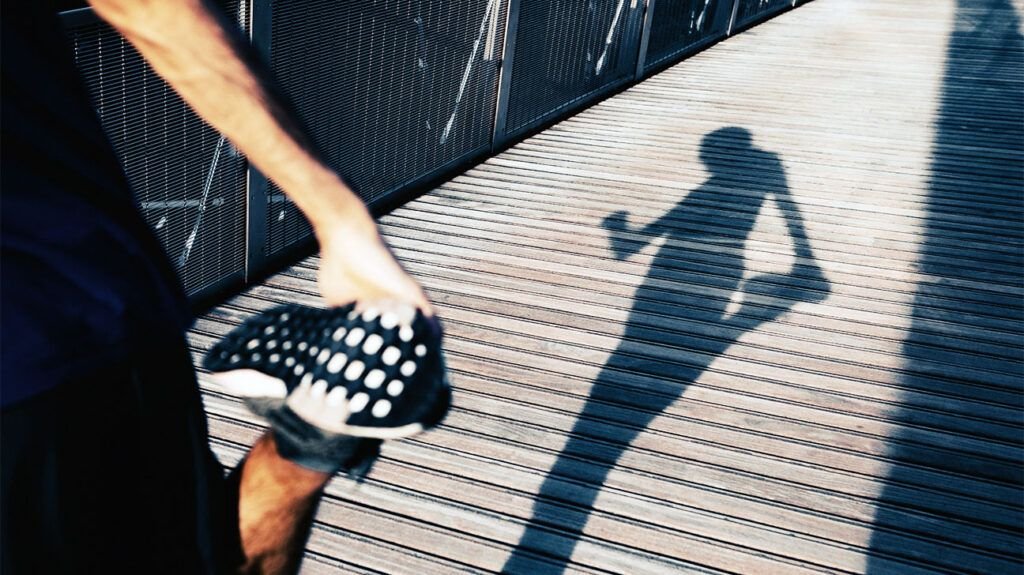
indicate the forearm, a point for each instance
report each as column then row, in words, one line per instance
column 617, row 225
column 795, row 228
column 276, row 503
column 215, row 70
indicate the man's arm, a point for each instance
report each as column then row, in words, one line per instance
column 617, row 224
column 204, row 58
column 213, row 68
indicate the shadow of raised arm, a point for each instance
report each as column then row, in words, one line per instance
column 617, row 224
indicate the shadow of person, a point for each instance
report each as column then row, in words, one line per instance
column 683, row 307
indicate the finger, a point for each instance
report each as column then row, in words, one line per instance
column 391, row 312
column 317, row 391
column 336, row 397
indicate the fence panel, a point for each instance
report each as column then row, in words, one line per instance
column 393, row 90
column 189, row 182
column 568, row 52
column 751, row 11
column 679, row 26
column 395, row 93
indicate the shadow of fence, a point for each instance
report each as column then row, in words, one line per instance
column 972, row 254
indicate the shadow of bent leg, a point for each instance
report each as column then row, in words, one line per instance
column 566, row 499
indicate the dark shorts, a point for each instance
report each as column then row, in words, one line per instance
column 113, row 474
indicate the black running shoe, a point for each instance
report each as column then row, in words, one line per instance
column 376, row 377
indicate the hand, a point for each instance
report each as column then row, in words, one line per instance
column 616, row 223
column 356, row 265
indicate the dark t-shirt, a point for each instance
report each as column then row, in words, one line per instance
column 106, row 463
column 113, row 474
column 83, row 281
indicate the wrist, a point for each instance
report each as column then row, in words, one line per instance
column 329, row 203
column 344, row 226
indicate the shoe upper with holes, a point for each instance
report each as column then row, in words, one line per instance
column 392, row 374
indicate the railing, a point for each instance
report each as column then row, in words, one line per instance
column 397, row 94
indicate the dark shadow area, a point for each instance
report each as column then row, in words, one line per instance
column 973, row 239
column 681, row 296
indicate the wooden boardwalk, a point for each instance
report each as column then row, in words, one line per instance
column 761, row 313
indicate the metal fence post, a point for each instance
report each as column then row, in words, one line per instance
column 645, row 38
column 498, row 137
column 256, row 182
column 732, row 18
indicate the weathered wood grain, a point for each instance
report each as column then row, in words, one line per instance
column 763, row 432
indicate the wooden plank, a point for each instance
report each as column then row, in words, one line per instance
column 406, row 475
column 494, row 305
column 510, row 429
column 797, row 406
column 878, row 429
column 456, row 217
column 923, row 400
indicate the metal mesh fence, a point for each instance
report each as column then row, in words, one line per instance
column 188, row 181
column 749, row 11
column 677, row 25
column 568, row 50
column 392, row 90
